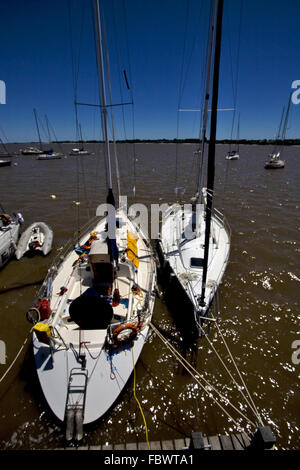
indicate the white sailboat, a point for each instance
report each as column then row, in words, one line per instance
column 235, row 154
column 6, row 154
column 81, row 150
column 194, row 247
column 274, row 159
column 44, row 154
column 31, row 151
column 94, row 308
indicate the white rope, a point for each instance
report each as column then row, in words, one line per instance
column 251, row 405
column 186, row 365
column 15, row 359
column 240, row 375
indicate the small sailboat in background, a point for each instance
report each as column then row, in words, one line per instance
column 81, row 150
column 194, row 248
column 235, row 154
column 31, row 151
column 44, row 154
column 6, row 154
column 274, row 160
column 93, row 311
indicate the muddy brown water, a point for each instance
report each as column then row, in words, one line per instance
column 259, row 296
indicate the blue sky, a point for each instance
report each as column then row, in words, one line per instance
column 36, row 65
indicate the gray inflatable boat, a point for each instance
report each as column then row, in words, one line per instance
column 37, row 238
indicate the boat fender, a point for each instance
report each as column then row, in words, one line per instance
column 5, row 219
column 43, row 307
column 116, row 298
column 125, row 332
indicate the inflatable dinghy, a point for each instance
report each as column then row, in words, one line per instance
column 37, row 238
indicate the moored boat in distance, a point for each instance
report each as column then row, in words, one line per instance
column 50, row 155
column 31, row 151
column 232, row 155
column 79, row 152
column 274, row 161
column 5, row 162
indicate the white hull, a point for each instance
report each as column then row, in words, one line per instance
column 274, row 162
column 37, row 237
column 8, row 240
column 5, row 162
column 106, row 377
column 79, row 152
column 232, row 156
column 53, row 156
column 104, row 386
column 185, row 256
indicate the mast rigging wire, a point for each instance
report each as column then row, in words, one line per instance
column 197, row 376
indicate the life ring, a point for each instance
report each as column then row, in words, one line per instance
column 125, row 332
column 33, row 315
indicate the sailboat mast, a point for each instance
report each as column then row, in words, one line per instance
column 238, row 136
column 207, row 94
column 100, row 60
column 286, row 121
column 37, row 126
column 212, row 144
column 4, row 146
column 48, row 130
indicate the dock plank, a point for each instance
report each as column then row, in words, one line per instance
column 226, row 443
column 179, row 444
column 142, row 446
column 167, row 445
column 131, row 446
column 206, row 443
column 246, row 439
column 155, row 445
column 119, row 447
column 215, row 442
column 237, row 441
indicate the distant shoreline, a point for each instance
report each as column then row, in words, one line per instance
column 168, row 141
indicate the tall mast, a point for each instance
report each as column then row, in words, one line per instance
column 100, row 61
column 111, row 216
column 238, row 135
column 48, row 130
column 37, row 126
column 207, row 93
column 4, row 146
column 279, row 131
column 212, row 144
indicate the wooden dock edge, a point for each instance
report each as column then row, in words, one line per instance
column 232, row 442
